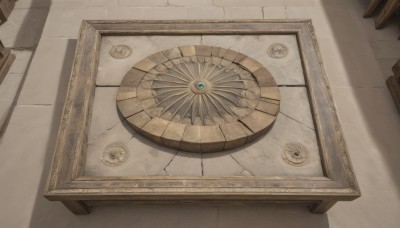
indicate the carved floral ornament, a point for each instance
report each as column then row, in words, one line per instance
column 199, row 98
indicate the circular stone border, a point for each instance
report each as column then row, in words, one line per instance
column 189, row 137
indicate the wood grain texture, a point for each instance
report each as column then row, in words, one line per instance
column 67, row 183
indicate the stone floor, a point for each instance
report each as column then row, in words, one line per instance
column 357, row 59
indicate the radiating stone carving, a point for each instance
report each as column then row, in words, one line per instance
column 199, row 98
column 114, row 154
column 295, row 154
column 120, row 51
column 277, row 51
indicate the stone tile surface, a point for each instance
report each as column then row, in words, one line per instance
column 385, row 66
column 141, row 3
column 23, row 28
column 104, row 115
column 264, row 158
column 385, row 49
column 248, row 3
column 49, row 73
column 295, row 105
column 345, row 26
column 146, row 13
column 345, row 65
column 64, row 22
column 274, row 12
column 190, row 2
column 24, row 167
column 221, row 164
column 371, row 127
column 21, row 62
column 32, row 4
column 185, row 164
column 243, row 13
column 205, row 13
column 145, row 157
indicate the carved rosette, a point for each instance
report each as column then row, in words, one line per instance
column 199, row 98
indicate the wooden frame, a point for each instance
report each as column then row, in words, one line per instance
column 66, row 182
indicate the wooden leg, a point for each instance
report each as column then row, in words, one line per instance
column 387, row 11
column 77, row 207
column 393, row 84
column 322, row 207
column 372, row 7
column 6, row 59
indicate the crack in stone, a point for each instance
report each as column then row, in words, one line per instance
column 165, row 168
column 105, row 131
column 262, row 11
column 243, row 167
column 245, row 170
column 297, row 121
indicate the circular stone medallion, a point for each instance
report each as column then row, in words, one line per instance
column 114, row 154
column 295, row 154
column 277, row 50
column 120, row 51
column 199, row 98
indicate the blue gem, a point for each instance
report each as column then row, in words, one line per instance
column 200, row 85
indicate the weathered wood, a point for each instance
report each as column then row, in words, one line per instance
column 322, row 207
column 373, row 5
column 6, row 60
column 77, row 207
column 66, row 182
column 6, row 6
column 388, row 10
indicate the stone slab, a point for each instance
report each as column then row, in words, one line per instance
column 264, row 156
column 64, row 22
column 111, row 71
column 145, row 157
column 28, row 142
column 104, row 115
column 221, row 164
column 286, row 71
column 185, row 164
column 21, row 62
column 47, row 78
column 295, row 104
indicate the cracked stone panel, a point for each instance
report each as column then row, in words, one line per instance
column 295, row 105
column 185, row 164
column 145, row 157
column 286, row 70
column 221, row 164
column 112, row 70
column 104, row 112
column 264, row 157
